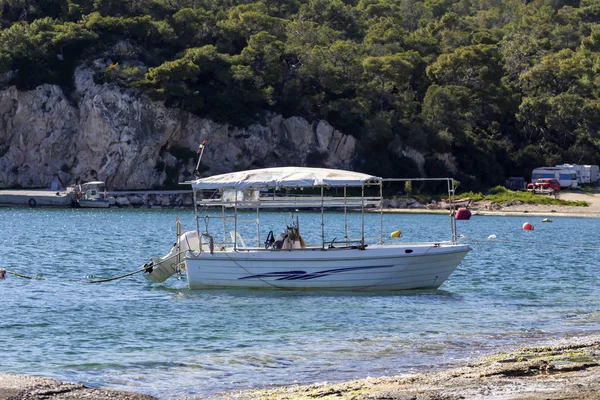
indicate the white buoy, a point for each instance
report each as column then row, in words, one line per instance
column 492, row 237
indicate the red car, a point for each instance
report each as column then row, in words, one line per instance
column 545, row 184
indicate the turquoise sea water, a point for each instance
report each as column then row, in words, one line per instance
column 168, row 341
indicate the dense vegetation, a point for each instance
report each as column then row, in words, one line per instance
column 505, row 86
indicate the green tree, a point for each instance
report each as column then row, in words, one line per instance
column 447, row 114
column 334, row 14
column 194, row 27
column 262, row 66
column 565, row 71
column 386, row 77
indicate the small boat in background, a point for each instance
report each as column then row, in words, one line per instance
column 89, row 195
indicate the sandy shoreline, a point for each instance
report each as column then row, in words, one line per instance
column 484, row 208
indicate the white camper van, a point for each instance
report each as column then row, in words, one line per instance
column 579, row 170
column 566, row 177
column 586, row 174
column 591, row 174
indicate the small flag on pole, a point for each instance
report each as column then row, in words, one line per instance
column 201, row 147
column 200, row 152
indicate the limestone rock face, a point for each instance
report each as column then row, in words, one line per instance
column 103, row 132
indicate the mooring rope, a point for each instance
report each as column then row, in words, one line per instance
column 35, row 278
column 114, row 278
column 144, row 268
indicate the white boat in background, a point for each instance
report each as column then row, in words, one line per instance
column 287, row 261
column 91, row 195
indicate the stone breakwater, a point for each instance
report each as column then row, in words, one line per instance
column 151, row 200
column 185, row 199
column 173, row 199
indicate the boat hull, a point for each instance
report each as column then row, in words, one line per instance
column 94, row 203
column 376, row 268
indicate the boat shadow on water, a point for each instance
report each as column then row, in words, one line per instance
column 183, row 293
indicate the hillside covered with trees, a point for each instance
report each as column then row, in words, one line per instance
column 504, row 86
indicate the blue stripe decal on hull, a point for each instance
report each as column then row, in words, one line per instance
column 302, row 275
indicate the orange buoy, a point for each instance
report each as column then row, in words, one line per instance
column 527, row 226
column 463, row 213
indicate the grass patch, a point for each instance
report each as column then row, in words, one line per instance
column 500, row 194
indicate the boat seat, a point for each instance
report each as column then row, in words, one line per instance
column 240, row 239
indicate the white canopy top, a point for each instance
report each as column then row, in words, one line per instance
column 284, row 177
column 97, row 183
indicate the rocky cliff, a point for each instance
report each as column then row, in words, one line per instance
column 103, row 132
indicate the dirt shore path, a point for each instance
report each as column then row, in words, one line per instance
column 592, row 210
column 484, row 207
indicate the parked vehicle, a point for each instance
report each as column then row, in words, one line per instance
column 591, row 174
column 544, row 185
column 566, row 177
column 586, row 174
column 578, row 169
column 515, row 183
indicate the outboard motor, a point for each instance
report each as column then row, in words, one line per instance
column 160, row 269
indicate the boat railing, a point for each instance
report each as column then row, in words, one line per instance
column 294, row 202
column 244, row 243
column 451, row 199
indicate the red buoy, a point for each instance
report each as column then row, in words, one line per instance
column 527, row 226
column 463, row 213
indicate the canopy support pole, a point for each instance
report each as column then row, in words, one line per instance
column 380, row 212
column 197, row 222
column 224, row 224
column 322, row 219
column 257, row 226
column 362, row 212
column 451, row 191
column 345, row 218
column 235, row 213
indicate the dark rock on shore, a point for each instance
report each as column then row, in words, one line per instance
column 21, row 387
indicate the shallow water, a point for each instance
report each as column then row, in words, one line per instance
column 168, row 341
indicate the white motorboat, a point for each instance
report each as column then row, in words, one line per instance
column 89, row 195
column 287, row 261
